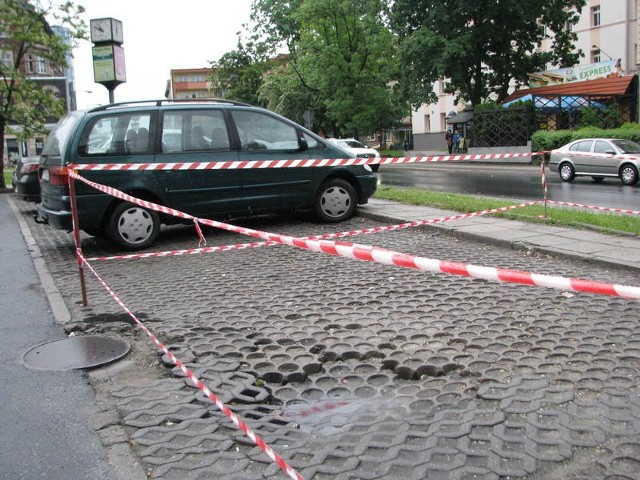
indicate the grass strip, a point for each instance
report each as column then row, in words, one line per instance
column 572, row 217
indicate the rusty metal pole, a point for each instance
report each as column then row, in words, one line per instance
column 76, row 238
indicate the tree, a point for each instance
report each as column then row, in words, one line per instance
column 24, row 105
column 480, row 47
column 340, row 62
column 237, row 75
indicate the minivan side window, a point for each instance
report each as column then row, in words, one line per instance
column 258, row 131
column 312, row 142
column 204, row 130
column 124, row 134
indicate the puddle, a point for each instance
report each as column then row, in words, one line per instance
column 326, row 417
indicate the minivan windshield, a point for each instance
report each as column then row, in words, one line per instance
column 61, row 134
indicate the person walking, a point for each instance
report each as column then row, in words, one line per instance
column 448, row 137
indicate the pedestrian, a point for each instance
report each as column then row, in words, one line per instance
column 456, row 140
column 448, row 137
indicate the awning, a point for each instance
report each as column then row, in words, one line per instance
column 462, row 117
column 610, row 86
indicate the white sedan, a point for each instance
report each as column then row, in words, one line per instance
column 354, row 146
column 597, row 158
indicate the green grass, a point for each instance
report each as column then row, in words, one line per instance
column 559, row 216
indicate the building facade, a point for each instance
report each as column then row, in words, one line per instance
column 55, row 78
column 606, row 30
column 189, row 83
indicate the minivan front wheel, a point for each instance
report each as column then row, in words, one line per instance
column 133, row 227
column 336, row 200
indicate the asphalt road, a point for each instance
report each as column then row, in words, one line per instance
column 47, row 416
column 520, row 182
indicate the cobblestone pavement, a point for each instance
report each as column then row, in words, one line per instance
column 353, row 370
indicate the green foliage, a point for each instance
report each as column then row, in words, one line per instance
column 340, row 63
column 488, row 105
column 545, row 140
column 238, row 76
column 24, row 105
column 480, row 46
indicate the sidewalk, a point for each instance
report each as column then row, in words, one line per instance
column 617, row 250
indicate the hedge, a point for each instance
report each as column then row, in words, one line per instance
column 545, row 140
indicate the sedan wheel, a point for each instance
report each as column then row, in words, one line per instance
column 567, row 172
column 336, row 201
column 629, row 175
column 134, row 227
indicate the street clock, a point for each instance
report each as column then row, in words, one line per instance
column 106, row 30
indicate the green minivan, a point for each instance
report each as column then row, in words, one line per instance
column 181, row 131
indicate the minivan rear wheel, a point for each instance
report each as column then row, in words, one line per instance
column 133, row 227
column 336, row 200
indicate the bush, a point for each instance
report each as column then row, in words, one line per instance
column 550, row 139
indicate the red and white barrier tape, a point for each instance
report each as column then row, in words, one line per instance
column 318, row 162
column 255, row 438
column 388, row 257
column 325, row 236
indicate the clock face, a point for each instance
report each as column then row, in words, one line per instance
column 100, row 30
column 116, row 30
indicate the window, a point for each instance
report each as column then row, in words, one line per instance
column 602, row 147
column 189, row 132
column 595, row 16
column 596, row 56
column 36, row 64
column 582, row 146
column 6, row 58
column 259, row 131
column 39, row 145
column 427, row 123
column 116, row 135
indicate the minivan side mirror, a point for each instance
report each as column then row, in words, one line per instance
column 303, row 146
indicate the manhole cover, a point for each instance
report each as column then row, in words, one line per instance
column 76, row 352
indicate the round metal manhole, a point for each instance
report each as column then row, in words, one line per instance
column 76, row 352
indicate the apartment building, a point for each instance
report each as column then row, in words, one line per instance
column 607, row 30
column 189, row 83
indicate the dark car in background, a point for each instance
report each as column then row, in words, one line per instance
column 25, row 178
column 597, row 158
column 203, row 130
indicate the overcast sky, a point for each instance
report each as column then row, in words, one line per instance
column 159, row 35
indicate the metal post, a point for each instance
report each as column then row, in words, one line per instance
column 76, row 239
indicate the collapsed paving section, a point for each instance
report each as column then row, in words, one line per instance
column 355, row 370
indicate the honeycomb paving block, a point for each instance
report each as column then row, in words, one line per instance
column 417, row 361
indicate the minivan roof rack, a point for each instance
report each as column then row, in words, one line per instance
column 167, row 101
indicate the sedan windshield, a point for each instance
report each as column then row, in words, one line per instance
column 627, row 146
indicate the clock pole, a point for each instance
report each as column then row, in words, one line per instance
column 108, row 54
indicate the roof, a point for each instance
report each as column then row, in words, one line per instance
column 462, row 117
column 609, row 86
